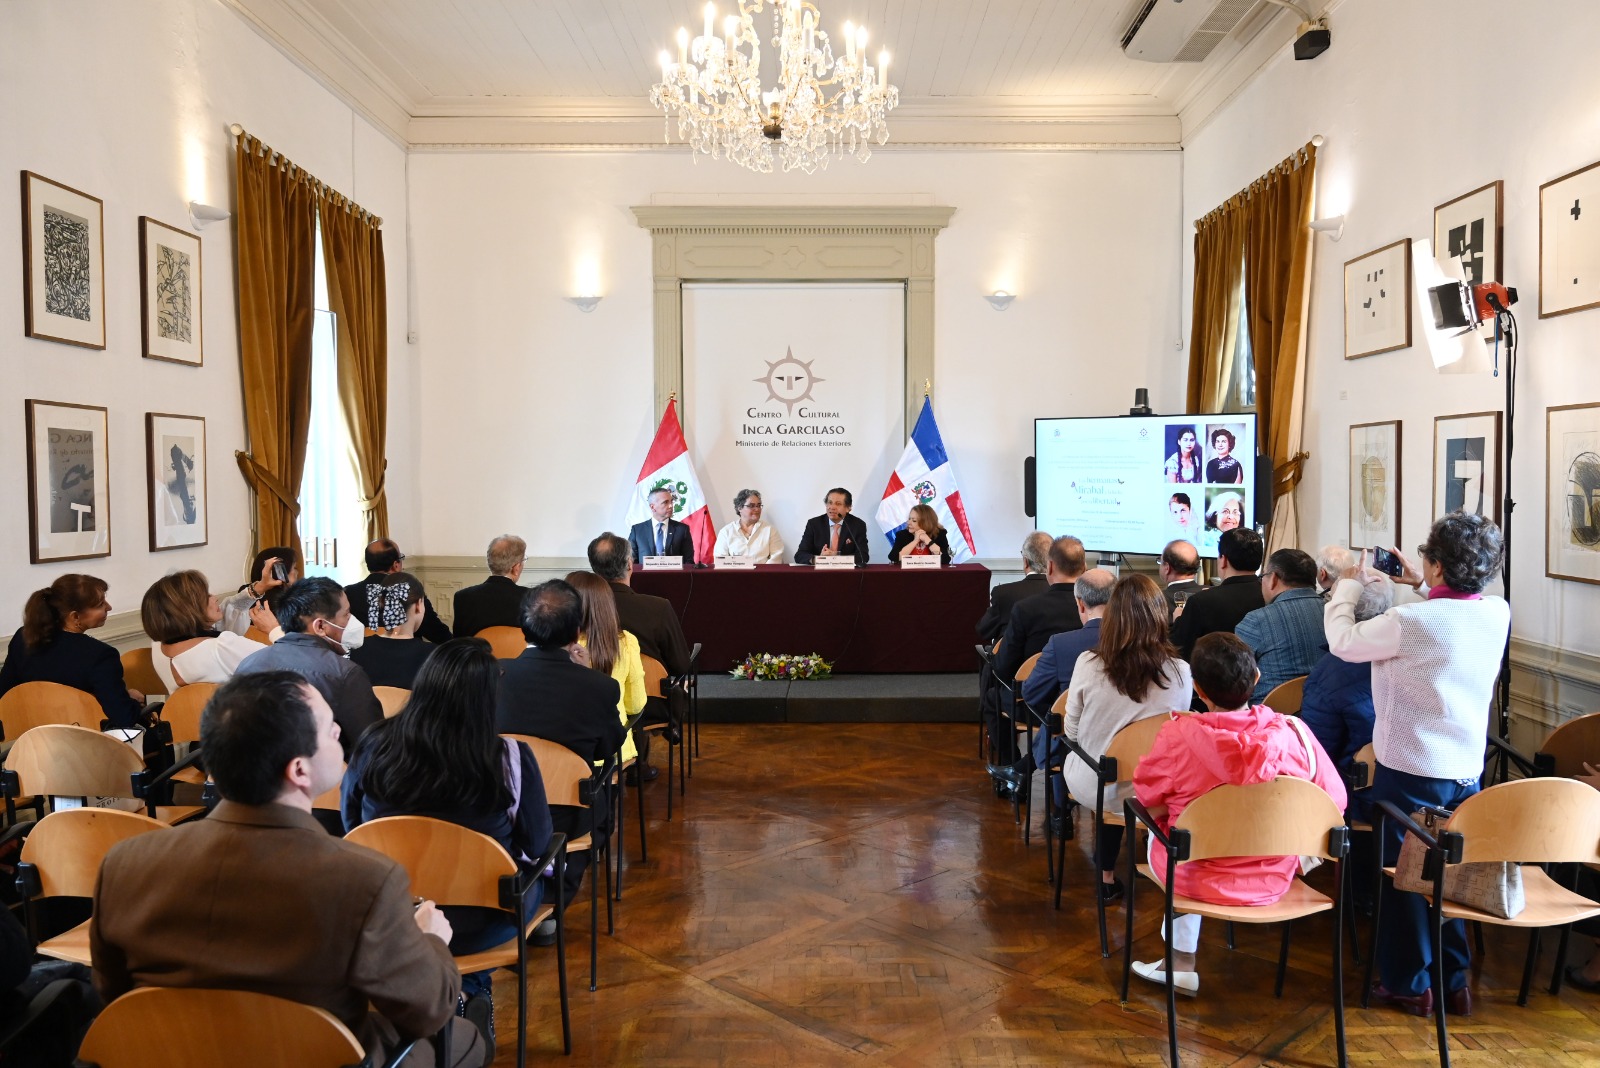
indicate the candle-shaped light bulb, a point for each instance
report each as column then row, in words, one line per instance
column 861, row 42
column 883, row 69
column 730, row 28
column 850, row 41
column 808, row 32
column 683, row 45
column 711, row 15
column 666, row 64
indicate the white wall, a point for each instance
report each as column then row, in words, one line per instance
column 1416, row 113
column 130, row 103
column 534, row 417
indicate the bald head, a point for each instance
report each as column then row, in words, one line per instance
column 1093, row 591
column 505, row 556
column 1066, row 559
column 1180, row 560
column 1035, row 552
column 1332, row 561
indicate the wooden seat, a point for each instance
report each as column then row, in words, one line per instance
column 1569, row 745
column 181, row 714
column 507, row 642
column 139, row 672
column 658, row 686
column 392, row 698
column 57, row 760
column 1287, row 697
column 256, row 634
column 61, row 858
column 451, row 865
column 1023, row 724
column 33, row 704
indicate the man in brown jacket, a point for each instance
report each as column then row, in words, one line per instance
column 259, row 897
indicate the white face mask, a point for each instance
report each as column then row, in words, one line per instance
column 355, row 632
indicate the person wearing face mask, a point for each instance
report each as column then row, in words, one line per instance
column 314, row 614
column 53, row 646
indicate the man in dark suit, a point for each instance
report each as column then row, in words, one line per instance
column 551, row 692
column 289, row 910
column 496, row 601
column 661, row 535
column 1239, row 555
column 384, row 558
column 1004, row 597
column 1180, row 573
column 835, row 533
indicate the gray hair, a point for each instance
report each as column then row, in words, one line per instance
column 505, row 553
column 1332, row 560
column 743, row 496
column 1376, row 599
column 1093, row 587
column 1035, row 551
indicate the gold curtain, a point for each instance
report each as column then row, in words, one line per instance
column 276, row 234
column 352, row 246
column 1214, row 329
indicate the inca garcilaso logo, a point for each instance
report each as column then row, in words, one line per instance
column 924, row 491
column 789, row 380
column 679, row 491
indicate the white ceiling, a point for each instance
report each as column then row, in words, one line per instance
column 577, row 72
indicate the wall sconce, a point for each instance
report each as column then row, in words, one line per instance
column 584, row 304
column 202, row 215
column 1332, row 226
column 999, row 300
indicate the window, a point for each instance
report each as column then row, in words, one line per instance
column 1242, row 383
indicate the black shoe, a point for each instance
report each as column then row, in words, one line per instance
column 480, row 1013
column 1012, row 775
column 544, row 934
column 1061, row 826
column 631, row 777
column 1575, row 978
column 673, row 735
column 1112, row 891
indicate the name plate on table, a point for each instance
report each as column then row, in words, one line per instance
column 919, row 563
column 841, row 562
column 736, row 563
column 663, row 563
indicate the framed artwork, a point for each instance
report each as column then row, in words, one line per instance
column 1569, row 243
column 1572, row 493
column 1375, row 485
column 63, row 264
column 1467, row 231
column 1377, row 301
column 169, row 292
column 1466, row 464
column 68, row 500
column 175, row 459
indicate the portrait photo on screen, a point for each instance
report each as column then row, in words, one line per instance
column 1186, row 519
column 1222, row 466
column 1183, row 462
column 1226, row 510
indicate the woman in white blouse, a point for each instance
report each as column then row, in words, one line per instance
column 749, row 534
column 181, row 615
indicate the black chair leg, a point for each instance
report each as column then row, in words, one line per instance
column 1477, row 938
column 1127, row 939
column 611, row 920
column 644, row 847
column 561, row 972
column 670, row 755
column 594, row 916
column 1049, row 835
column 1172, row 990
column 1534, row 940
column 1283, row 959
column 620, row 809
column 1561, row 960
column 1228, row 927
column 1437, row 915
column 1338, row 973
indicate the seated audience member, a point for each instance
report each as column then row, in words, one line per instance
column 749, row 534
column 53, row 646
column 1004, row 597
column 441, row 758
column 834, row 533
column 1179, row 568
column 1332, row 561
column 497, row 600
column 394, row 654
column 551, row 692
column 1434, row 667
column 1231, row 743
column 612, row 650
column 313, row 614
column 40, row 1030
column 1337, row 705
column 662, row 535
column 923, row 536
column 1285, row 634
column 1220, row 607
column 181, row 617
column 289, row 910
column 385, row 558
column 264, row 585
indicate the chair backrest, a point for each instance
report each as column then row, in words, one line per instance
column 1131, row 743
column 68, row 846
column 392, row 698
column 183, row 708
column 655, row 676
column 256, row 634
column 1284, row 817
column 1027, row 668
column 139, row 671
column 1574, row 742
column 33, row 704
column 1287, row 697
column 1531, row 821
column 562, row 770
column 168, row 1027
column 448, row 864
column 1368, row 758
column 1060, row 706
column 65, row 761
column 507, row 642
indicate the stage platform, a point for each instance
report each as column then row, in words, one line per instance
column 941, row 698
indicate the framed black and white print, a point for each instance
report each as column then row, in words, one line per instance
column 1569, row 243
column 1572, row 493
column 169, row 292
column 1466, row 464
column 175, row 459
column 68, row 497
column 1467, row 232
column 63, row 263
column 1375, row 485
column 1377, row 301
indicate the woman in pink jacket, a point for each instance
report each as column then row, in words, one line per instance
column 1231, row 743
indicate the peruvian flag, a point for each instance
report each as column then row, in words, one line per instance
column 924, row 476
column 666, row 466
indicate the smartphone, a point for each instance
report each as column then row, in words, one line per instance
column 1387, row 562
column 280, row 571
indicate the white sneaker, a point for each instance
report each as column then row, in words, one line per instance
column 1187, row 983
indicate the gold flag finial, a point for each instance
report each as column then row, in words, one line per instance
column 927, row 386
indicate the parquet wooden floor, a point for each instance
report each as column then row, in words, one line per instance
column 855, row 895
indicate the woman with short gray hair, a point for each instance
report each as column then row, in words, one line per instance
column 749, row 534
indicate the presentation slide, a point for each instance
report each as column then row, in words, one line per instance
column 1130, row 484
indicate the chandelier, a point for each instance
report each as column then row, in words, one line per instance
column 823, row 105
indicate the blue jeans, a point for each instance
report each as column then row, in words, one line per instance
column 473, row 930
column 1405, row 947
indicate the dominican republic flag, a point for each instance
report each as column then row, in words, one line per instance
column 924, row 476
column 666, row 466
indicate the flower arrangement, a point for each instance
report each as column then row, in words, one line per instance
column 783, row 666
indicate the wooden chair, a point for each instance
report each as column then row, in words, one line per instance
column 392, row 698
column 1023, row 723
column 507, row 642
column 1284, row 817
column 451, row 865
column 256, row 634
column 61, row 858
column 172, row 1027
column 1569, row 745
column 33, row 704
column 1357, row 778
column 139, row 671
column 1531, row 822
column 181, row 714
column 986, row 655
column 58, row 760
column 658, row 684
column 1287, row 697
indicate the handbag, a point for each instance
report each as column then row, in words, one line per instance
column 1494, row 887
